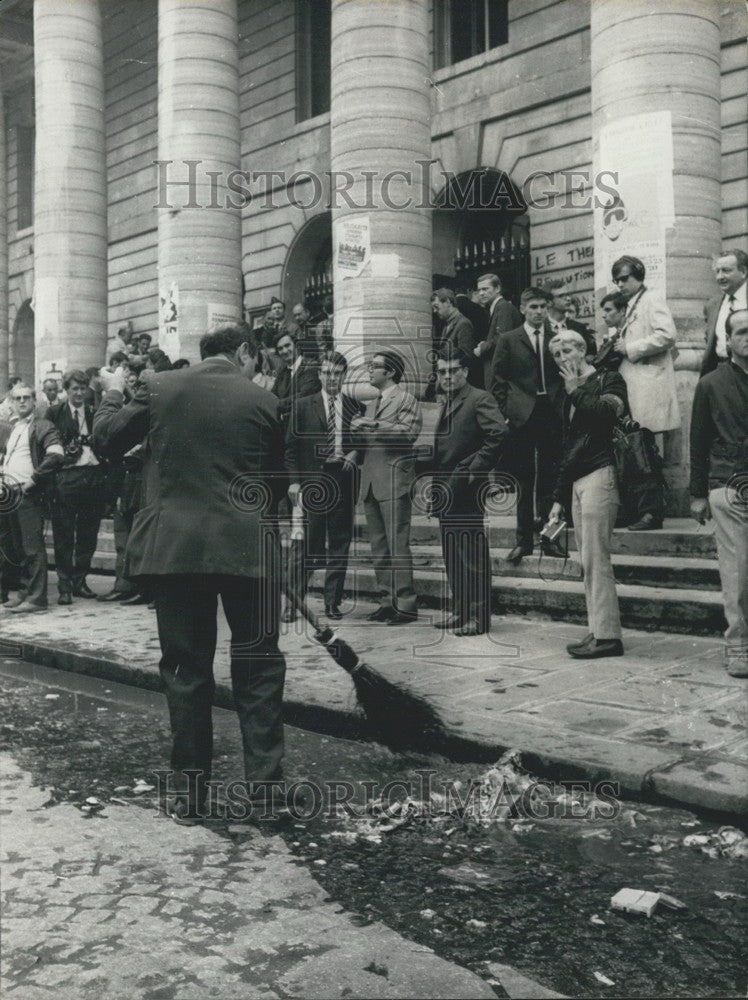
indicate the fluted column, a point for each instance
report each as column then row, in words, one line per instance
column 70, row 225
column 664, row 56
column 199, row 227
column 4, row 331
column 380, row 124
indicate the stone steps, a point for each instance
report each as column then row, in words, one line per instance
column 667, row 579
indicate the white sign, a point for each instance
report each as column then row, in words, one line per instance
column 221, row 313
column 352, row 246
column 53, row 369
column 168, row 321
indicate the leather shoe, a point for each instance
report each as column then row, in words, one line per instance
column 289, row 614
column 12, row 602
column 470, row 627
column 598, row 648
column 184, row 815
column 573, row 646
column 449, row 621
column 64, row 599
column 645, row 523
column 83, row 590
column 333, row 611
column 27, row 608
column 553, row 549
column 134, row 599
column 515, row 556
column 112, row 595
column 382, row 614
column 403, row 618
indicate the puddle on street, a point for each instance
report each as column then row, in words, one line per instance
column 529, row 892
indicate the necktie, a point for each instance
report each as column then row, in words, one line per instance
column 539, row 361
column 731, row 303
column 331, row 427
column 78, row 421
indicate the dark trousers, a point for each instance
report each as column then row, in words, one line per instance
column 534, row 455
column 77, row 507
column 127, row 506
column 22, row 545
column 327, row 535
column 465, row 552
column 186, row 609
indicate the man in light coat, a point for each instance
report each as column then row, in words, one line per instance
column 647, row 343
column 388, row 431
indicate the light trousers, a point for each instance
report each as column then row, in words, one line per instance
column 594, row 508
column 731, row 533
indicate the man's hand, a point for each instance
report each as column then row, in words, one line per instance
column 700, row 509
column 113, row 380
column 294, row 491
column 363, row 424
column 349, row 461
column 478, row 351
column 556, row 514
column 570, row 374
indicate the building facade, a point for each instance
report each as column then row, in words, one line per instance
column 169, row 163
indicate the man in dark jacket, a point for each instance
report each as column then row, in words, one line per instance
column 502, row 317
column 469, row 436
column 321, row 465
column 32, row 454
column 527, row 387
column 719, row 473
column 299, row 375
column 457, row 332
column 207, row 529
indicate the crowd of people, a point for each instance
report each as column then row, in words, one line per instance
column 528, row 393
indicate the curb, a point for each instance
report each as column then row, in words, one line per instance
column 708, row 783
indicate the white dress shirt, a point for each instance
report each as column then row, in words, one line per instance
column 738, row 302
column 337, row 402
column 18, row 465
column 86, row 456
column 531, row 331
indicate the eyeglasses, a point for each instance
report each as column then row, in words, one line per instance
column 373, row 364
column 21, row 399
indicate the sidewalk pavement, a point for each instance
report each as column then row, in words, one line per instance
column 665, row 720
column 87, row 911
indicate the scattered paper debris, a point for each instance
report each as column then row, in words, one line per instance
column 728, row 895
column 726, row 842
column 603, row 979
column 427, row 914
column 476, row 923
column 644, row 901
column 594, row 919
column 51, row 697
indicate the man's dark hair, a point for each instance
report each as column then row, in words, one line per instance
column 117, row 358
column 49, row 379
column 452, row 353
column 337, row 360
column 444, row 295
column 616, row 298
column 143, row 336
column 14, row 381
column 534, row 292
column 281, row 334
column 731, row 320
column 227, row 338
column 393, row 363
column 180, row 363
column 741, row 258
column 75, row 375
column 635, row 266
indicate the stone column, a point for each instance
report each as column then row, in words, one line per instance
column 664, row 56
column 199, row 223
column 70, row 223
column 380, row 123
column 4, row 331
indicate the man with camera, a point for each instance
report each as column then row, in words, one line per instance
column 32, row 454
column 79, row 494
column 719, row 475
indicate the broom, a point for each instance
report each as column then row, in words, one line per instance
column 397, row 716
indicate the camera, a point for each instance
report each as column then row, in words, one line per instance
column 552, row 530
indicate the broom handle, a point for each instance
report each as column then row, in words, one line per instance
column 295, row 599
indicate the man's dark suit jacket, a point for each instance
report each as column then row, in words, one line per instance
column 214, row 458
column 458, row 331
column 514, row 378
column 470, row 432
column 289, row 387
column 711, row 311
column 59, row 414
column 306, row 436
column 503, row 317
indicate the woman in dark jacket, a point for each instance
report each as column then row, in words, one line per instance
column 587, row 485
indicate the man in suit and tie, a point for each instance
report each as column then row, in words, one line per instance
column 298, row 377
column 730, row 272
column 469, row 435
column 528, row 389
column 503, row 317
column 207, row 529
column 80, row 490
column 388, row 432
column 457, row 331
column 558, row 320
column 320, row 459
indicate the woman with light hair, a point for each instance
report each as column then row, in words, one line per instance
column 587, row 486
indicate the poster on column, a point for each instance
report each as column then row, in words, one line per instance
column 633, row 217
column 221, row 313
column 352, row 246
column 168, row 321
